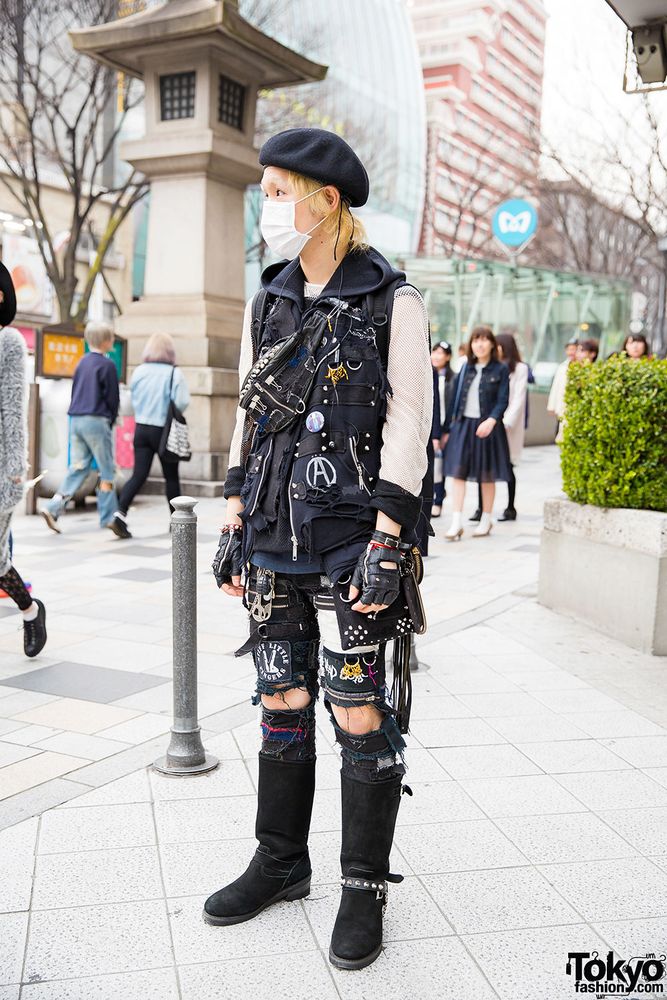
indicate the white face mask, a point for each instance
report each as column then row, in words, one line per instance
column 279, row 228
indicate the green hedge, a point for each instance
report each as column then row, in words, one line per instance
column 614, row 450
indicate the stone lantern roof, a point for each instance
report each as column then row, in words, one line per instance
column 126, row 43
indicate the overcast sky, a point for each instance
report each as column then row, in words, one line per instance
column 583, row 79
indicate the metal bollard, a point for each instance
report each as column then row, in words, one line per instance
column 185, row 754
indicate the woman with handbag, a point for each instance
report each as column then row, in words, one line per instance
column 157, row 386
column 323, row 498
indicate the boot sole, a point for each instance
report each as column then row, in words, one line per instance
column 297, row 891
column 354, row 963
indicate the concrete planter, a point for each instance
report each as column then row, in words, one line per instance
column 608, row 568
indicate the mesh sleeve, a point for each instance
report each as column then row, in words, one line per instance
column 410, row 409
column 245, row 364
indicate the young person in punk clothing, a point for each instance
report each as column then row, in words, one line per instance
column 326, row 501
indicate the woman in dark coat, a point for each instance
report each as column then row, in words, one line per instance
column 477, row 447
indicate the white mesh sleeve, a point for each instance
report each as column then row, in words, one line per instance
column 410, row 410
column 245, row 364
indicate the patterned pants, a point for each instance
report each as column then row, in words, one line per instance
column 295, row 642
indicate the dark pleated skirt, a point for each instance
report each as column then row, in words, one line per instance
column 480, row 460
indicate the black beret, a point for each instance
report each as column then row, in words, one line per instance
column 322, row 155
column 8, row 305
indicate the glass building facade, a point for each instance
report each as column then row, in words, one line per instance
column 542, row 308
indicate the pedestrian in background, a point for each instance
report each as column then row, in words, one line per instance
column 588, row 350
column 154, row 384
column 443, row 388
column 636, row 347
column 93, row 411
column 514, row 418
column 477, row 447
column 556, row 400
column 13, row 464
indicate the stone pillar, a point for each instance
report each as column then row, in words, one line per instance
column 202, row 66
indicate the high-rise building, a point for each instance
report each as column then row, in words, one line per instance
column 482, row 62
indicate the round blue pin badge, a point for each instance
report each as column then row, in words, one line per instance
column 315, row 421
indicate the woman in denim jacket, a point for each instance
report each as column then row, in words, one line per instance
column 477, row 447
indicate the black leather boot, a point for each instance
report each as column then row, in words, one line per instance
column 280, row 868
column 369, row 817
column 509, row 514
column 476, row 515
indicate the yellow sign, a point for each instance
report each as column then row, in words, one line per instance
column 61, row 353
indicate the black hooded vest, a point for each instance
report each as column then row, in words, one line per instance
column 309, row 488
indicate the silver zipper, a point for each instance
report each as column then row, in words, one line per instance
column 295, row 543
column 267, row 459
column 360, row 471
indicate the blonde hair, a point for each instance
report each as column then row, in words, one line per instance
column 352, row 237
column 98, row 334
column 160, row 348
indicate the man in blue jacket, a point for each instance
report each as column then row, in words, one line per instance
column 93, row 411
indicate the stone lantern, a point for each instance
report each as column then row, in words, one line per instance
column 202, row 65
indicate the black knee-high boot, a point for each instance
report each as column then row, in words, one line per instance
column 280, row 868
column 369, row 811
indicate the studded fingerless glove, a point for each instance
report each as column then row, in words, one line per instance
column 228, row 560
column 377, row 584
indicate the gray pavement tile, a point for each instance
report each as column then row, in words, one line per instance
column 158, row 984
column 231, row 778
column 546, row 680
column 529, row 795
column 634, row 937
column 578, row 701
column 498, row 899
column 599, row 790
column 36, row 800
column 96, row 827
column 525, row 548
column 17, row 848
column 96, row 940
column 87, row 878
column 615, row 724
column 565, row 837
column 658, row 774
column 411, row 968
column 10, row 992
column 83, row 681
column 13, row 928
column 535, row 728
column 196, row 941
column 198, row 869
column 456, row 846
column 640, row 751
column 531, row 963
column 502, row 704
column 410, row 913
column 645, row 829
column 455, row 733
column 612, row 890
column 484, row 762
column 435, row 802
column 563, row 756
column 304, row 977
column 141, row 575
column 141, row 551
column 123, row 791
column 11, row 753
column 208, row 819
column 438, row 707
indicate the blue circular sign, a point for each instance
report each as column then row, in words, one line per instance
column 514, row 222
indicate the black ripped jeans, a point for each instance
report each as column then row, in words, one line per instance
column 146, row 443
column 286, row 632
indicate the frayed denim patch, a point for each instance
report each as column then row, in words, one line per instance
column 288, row 735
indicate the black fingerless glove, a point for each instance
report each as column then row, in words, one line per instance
column 228, row 560
column 377, row 585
